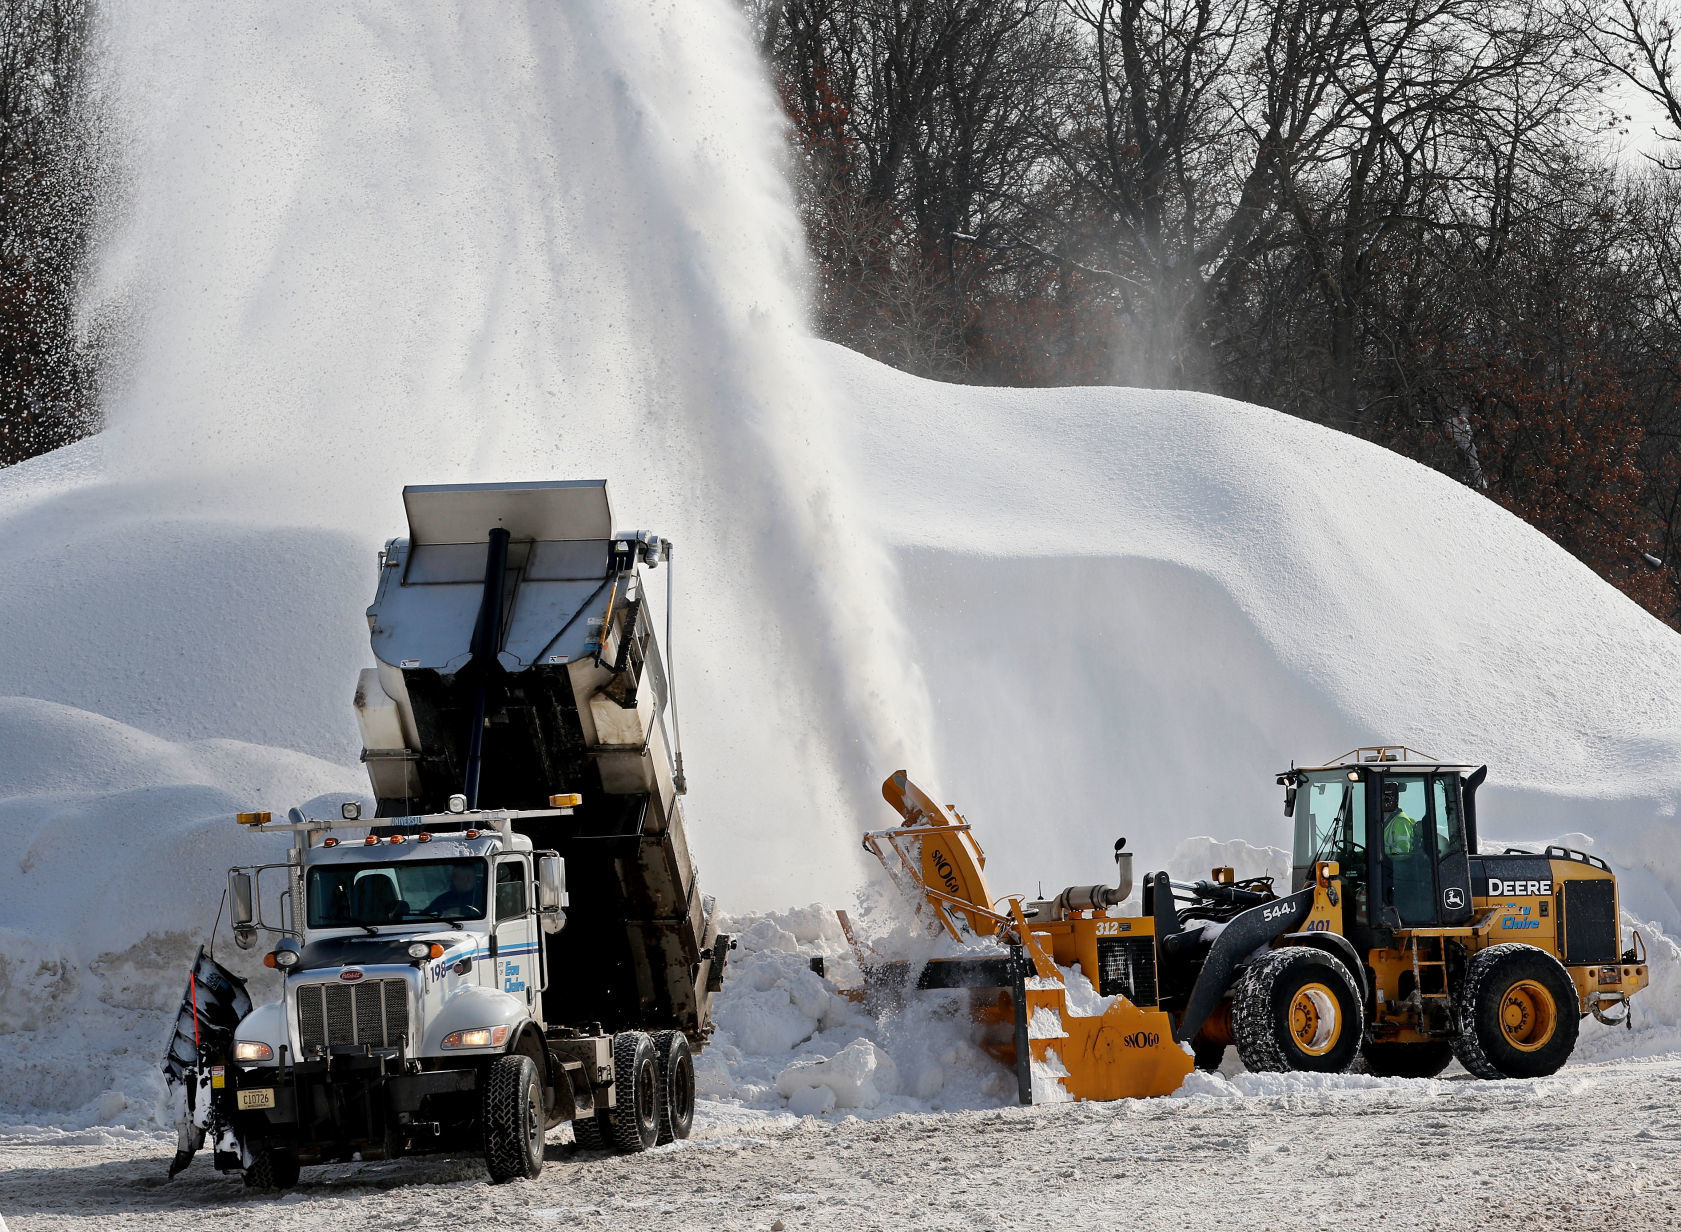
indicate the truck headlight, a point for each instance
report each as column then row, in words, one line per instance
column 425, row 949
column 252, row 1050
column 286, row 959
column 477, row 1037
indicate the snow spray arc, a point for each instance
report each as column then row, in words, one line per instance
column 539, row 240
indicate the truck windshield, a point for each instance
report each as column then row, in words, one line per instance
column 408, row 892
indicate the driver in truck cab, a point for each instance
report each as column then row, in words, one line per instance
column 461, row 897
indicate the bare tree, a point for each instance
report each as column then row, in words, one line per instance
column 1636, row 40
column 46, row 376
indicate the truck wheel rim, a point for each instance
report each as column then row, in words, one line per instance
column 1527, row 1015
column 684, row 1093
column 645, row 1094
column 1315, row 1025
column 533, row 1122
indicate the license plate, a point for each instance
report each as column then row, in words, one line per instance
column 262, row 1097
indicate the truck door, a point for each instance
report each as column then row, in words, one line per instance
column 516, row 965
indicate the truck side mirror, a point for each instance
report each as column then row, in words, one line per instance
column 551, row 884
column 243, row 894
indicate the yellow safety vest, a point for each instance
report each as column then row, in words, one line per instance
column 1400, row 836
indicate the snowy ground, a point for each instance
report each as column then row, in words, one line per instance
column 1591, row 1147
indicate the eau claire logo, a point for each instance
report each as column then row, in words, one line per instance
column 1142, row 1039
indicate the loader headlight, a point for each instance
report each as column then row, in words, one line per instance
column 477, row 1037
column 252, row 1050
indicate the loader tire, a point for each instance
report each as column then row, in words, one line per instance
column 633, row 1123
column 1209, row 1057
column 513, row 1119
column 1420, row 1060
column 272, row 1167
column 1518, row 1014
column 677, row 1085
column 1297, row 1009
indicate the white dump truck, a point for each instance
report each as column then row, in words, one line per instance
column 515, row 938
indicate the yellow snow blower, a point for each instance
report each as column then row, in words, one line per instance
column 1399, row 945
column 1034, row 992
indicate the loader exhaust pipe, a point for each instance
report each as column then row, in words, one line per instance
column 1098, row 897
column 487, row 636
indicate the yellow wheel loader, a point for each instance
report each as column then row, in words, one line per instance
column 1397, row 941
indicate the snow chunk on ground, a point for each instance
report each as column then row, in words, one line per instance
column 857, row 1076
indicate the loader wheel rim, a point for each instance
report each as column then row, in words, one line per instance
column 1528, row 1015
column 1315, row 1024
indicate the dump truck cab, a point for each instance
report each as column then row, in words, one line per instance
column 411, row 962
column 519, row 731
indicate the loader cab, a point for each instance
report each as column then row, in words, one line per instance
column 1402, row 831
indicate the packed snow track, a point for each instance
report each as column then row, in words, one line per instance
column 1592, row 1147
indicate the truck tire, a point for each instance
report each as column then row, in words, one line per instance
column 1297, row 1009
column 633, row 1123
column 272, row 1167
column 1518, row 1013
column 677, row 1085
column 588, row 1132
column 513, row 1119
column 1424, row 1059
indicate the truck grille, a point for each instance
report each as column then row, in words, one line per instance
column 1127, row 965
column 373, row 1012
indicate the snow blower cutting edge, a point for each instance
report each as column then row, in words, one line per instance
column 1398, row 942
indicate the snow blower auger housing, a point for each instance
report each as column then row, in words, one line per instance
column 1398, row 942
column 515, row 937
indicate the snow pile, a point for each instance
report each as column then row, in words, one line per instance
column 789, row 1040
column 91, row 810
column 1134, row 608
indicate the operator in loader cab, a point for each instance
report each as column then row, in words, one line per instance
column 1400, row 832
column 1412, row 887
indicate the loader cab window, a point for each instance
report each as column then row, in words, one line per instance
column 1450, row 828
column 1422, row 851
column 1331, row 825
column 1407, row 848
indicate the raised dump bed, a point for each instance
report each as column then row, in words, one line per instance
column 518, row 662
